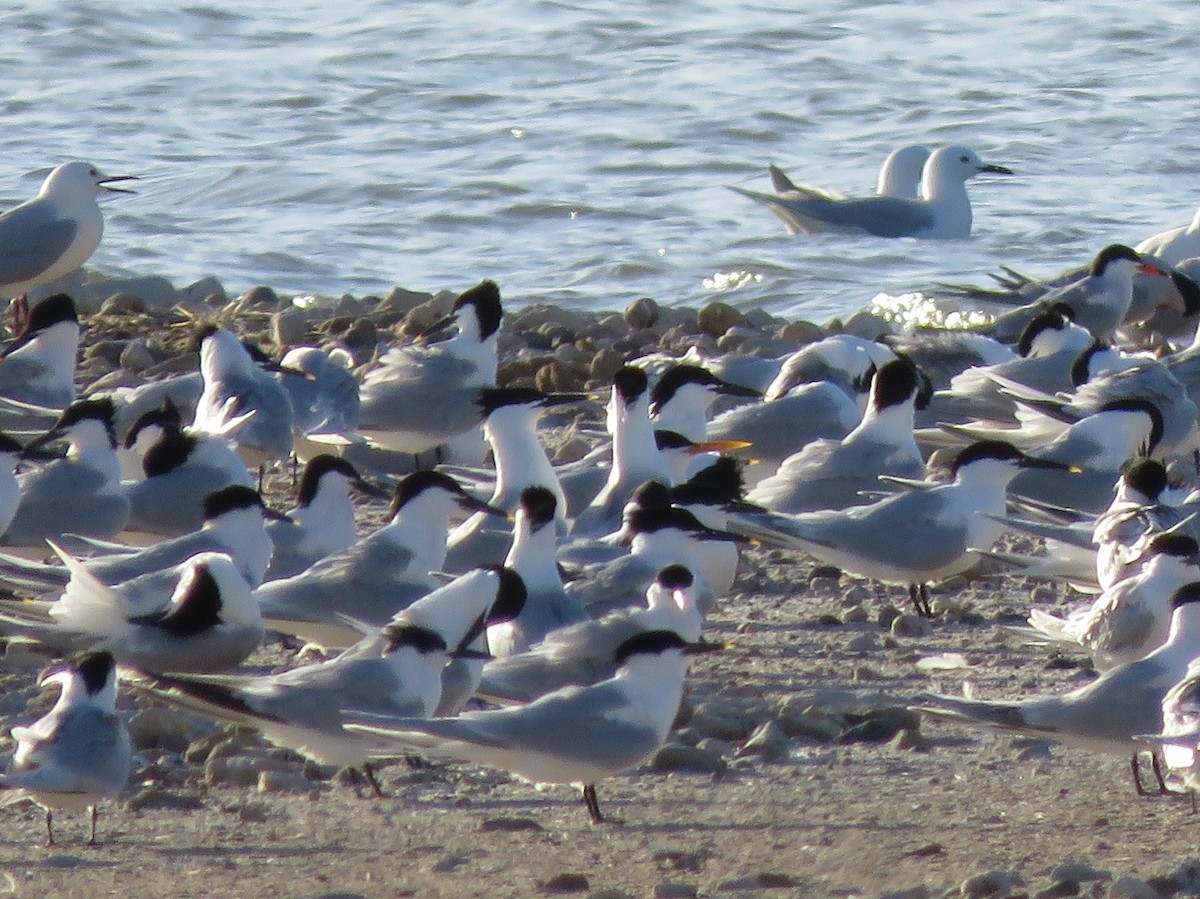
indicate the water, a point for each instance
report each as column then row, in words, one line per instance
column 578, row 152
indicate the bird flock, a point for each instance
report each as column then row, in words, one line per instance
column 539, row 617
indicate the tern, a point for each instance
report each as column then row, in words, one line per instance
column 79, row 752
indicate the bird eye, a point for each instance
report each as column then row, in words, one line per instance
column 965, row 158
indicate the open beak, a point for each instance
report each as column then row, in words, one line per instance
column 107, row 182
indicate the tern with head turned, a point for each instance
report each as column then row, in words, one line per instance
column 77, row 753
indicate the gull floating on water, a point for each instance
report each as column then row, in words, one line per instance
column 942, row 212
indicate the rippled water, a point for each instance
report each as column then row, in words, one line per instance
column 579, row 151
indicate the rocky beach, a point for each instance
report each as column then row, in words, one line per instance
column 794, row 767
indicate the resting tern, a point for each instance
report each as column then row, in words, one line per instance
column 37, row 368
column 377, row 576
column 81, row 494
column 833, row 474
column 322, row 521
column 211, row 621
column 79, row 752
column 682, row 396
column 582, row 654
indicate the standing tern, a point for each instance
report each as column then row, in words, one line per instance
column 943, row 210
column 1179, row 738
column 548, row 606
column 235, row 385
column 396, row 671
column 573, row 735
column 1104, row 715
column 326, row 401
column 57, row 231
column 912, row 538
column 79, row 752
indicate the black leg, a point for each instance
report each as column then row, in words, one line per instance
column 355, row 781
column 1135, row 765
column 95, row 815
column 49, row 827
column 370, row 773
column 295, row 469
column 593, row 805
column 262, row 473
column 927, row 609
column 912, row 595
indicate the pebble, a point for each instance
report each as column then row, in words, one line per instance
column 989, row 883
column 1127, row 887
column 716, row 318
column 123, row 304
column 709, row 724
column 1079, row 872
column 763, row 881
column 908, row 740
column 208, row 291
column 136, row 356
column 283, row 782
column 674, row 889
column 1063, row 889
column 918, row 892
column 911, row 626
column 160, row 728
column 798, row 724
column 863, row 642
column 688, row 759
column 289, row 327
column 155, row 292
column 605, row 364
column 768, row 742
column 643, row 313
column 260, row 297
column 154, row 797
column 567, row 882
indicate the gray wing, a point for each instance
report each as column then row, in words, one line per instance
column 172, row 504
column 65, row 497
column 777, row 429
column 32, row 238
column 88, row 752
column 880, row 216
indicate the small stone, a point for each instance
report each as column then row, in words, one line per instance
column 689, row 759
column 919, row 892
column 823, row 584
column 402, row 300
column 768, row 742
column 908, row 740
column 234, row 772
column 202, row 292
column 911, row 626
column 1060, row 890
column 829, row 571
column 1079, row 872
column 863, row 642
column 989, row 883
column 716, row 318
column 1127, row 887
column 154, row 291
column 509, row 825
column 558, row 377
column 123, row 304
column 712, row 744
column 673, row 889
column 1187, row 876
column 260, row 297
column 567, row 882
column 605, row 364
column 289, row 327
column 154, row 797
column 709, row 724
column 136, row 356
column 764, row 881
column 867, row 325
column 855, row 595
column 283, row 782
column 643, row 313
column 799, row 725
column 887, row 615
column 879, row 725
column 800, row 333
column 362, row 335
column 160, row 728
